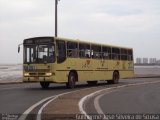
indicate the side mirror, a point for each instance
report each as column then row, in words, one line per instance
column 19, row 49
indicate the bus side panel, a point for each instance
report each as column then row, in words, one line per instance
column 61, row 76
column 61, row 72
column 85, row 75
column 127, row 69
column 84, row 69
column 92, row 69
column 99, row 67
column 126, row 74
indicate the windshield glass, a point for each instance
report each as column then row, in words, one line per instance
column 39, row 54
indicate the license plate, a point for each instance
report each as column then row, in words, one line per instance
column 36, row 78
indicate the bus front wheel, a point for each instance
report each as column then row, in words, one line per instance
column 44, row 85
column 71, row 80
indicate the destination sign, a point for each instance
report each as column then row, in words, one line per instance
column 38, row 40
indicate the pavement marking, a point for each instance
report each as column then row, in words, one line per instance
column 97, row 106
column 96, row 101
column 51, row 98
column 87, row 97
column 41, row 109
column 98, row 109
column 25, row 114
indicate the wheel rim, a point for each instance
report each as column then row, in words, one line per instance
column 116, row 78
column 72, row 81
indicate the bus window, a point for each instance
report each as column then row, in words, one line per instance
column 130, row 55
column 28, row 55
column 106, row 52
column 72, row 49
column 84, row 51
column 96, row 52
column 124, row 54
column 45, row 53
column 115, row 53
column 39, row 53
column 61, row 51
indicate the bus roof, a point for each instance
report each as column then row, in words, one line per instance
column 87, row 42
column 77, row 40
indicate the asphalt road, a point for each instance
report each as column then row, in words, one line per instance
column 142, row 99
column 17, row 98
column 135, row 99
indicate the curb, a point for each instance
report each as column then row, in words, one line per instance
column 7, row 83
column 146, row 77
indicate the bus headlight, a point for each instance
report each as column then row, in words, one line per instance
column 48, row 74
column 26, row 74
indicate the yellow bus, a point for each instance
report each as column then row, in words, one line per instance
column 59, row 60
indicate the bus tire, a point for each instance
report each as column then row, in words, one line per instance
column 71, row 80
column 115, row 77
column 44, row 85
column 92, row 83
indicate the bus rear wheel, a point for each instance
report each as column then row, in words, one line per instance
column 71, row 80
column 44, row 85
column 92, row 82
column 115, row 77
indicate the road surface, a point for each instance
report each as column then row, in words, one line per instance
column 141, row 99
column 17, row 98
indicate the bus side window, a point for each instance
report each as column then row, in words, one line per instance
column 123, row 54
column 106, row 53
column 84, row 50
column 72, row 49
column 116, row 53
column 130, row 55
column 96, row 52
column 61, row 51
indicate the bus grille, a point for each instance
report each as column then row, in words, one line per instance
column 33, row 74
column 37, row 74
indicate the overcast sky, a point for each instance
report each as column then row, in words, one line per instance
column 130, row 23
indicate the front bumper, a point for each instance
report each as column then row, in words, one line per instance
column 38, row 79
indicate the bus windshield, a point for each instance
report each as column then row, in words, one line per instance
column 39, row 53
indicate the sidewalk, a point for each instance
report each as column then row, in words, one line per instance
column 19, row 80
